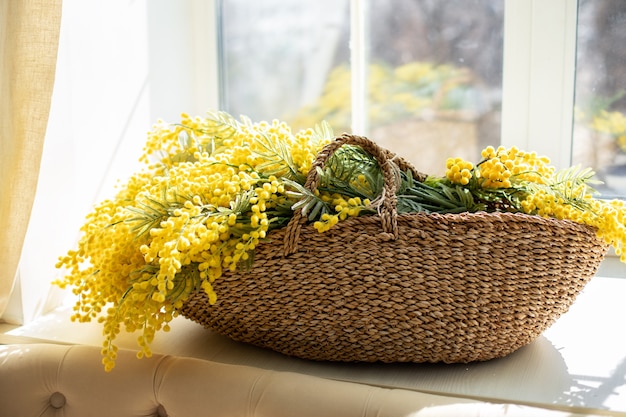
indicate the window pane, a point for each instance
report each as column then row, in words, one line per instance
column 433, row 72
column 600, row 124
column 435, row 78
column 279, row 55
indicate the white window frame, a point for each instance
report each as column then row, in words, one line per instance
column 539, row 76
column 205, row 24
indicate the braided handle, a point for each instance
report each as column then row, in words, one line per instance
column 387, row 161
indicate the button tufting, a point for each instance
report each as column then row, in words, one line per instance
column 161, row 411
column 57, row 400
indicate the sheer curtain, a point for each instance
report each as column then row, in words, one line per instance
column 29, row 35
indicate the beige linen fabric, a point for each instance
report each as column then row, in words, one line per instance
column 29, row 36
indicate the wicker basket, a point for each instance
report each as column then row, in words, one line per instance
column 403, row 288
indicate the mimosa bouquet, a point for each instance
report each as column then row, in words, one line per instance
column 214, row 189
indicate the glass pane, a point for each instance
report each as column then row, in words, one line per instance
column 435, row 78
column 279, row 55
column 600, row 123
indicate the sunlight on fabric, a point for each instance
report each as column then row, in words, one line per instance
column 121, row 66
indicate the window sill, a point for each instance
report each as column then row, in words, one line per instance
column 578, row 365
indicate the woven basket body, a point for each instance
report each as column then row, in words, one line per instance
column 440, row 288
column 451, row 288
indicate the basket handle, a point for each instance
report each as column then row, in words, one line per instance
column 388, row 162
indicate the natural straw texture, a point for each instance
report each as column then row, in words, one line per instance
column 404, row 288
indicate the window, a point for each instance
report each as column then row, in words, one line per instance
column 425, row 78
column 600, row 122
column 422, row 78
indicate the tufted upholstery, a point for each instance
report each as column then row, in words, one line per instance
column 57, row 380
column 54, row 380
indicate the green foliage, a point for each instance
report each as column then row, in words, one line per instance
column 312, row 206
column 343, row 170
column 149, row 214
column 278, row 160
column 433, row 196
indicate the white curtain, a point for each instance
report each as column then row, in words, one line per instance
column 29, row 35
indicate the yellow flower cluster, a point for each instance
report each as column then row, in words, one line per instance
column 172, row 229
column 344, row 208
column 501, row 167
column 459, row 171
column 610, row 221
